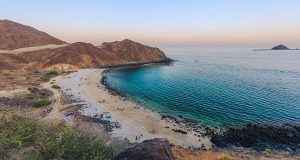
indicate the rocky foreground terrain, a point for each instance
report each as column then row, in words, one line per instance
column 11, row 61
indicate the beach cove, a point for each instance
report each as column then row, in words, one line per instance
column 137, row 123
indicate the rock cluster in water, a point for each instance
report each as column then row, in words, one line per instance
column 189, row 125
column 260, row 137
column 280, row 47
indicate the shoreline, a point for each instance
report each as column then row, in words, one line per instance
column 189, row 124
column 137, row 123
column 220, row 138
column 165, row 61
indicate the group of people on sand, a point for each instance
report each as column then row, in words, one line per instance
column 138, row 137
column 69, row 115
column 121, row 109
column 137, row 107
column 48, row 110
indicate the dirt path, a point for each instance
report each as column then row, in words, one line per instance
column 57, row 107
column 55, row 114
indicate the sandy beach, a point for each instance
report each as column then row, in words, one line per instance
column 137, row 123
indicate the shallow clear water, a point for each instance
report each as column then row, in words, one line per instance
column 218, row 86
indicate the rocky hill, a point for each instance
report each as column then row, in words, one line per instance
column 129, row 51
column 82, row 55
column 86, row 55
column 14, row 35
column 78, row 54
column 11, row 61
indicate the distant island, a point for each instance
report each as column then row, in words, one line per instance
column 279, row 47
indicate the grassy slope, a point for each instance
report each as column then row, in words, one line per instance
column 21, row 137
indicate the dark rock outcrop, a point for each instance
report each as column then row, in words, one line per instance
column 259, row 137
column 14, row 35
column 155, row 149
column 280, row 47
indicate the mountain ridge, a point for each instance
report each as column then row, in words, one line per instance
column 78, row 54
column 14, row 35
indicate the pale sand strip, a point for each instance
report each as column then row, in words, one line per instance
column 85, row 85
column 31, row 49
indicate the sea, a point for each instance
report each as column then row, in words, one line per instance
column 220, row 87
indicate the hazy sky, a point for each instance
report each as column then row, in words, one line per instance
column 163, row 22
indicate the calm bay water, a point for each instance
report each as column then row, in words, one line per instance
column 218, row 86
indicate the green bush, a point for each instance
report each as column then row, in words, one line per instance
column 33, row 140
column 55, row 86
column 269, row 150
column 224, row 158
column 43, row 102
column 51, row 74
column 45, row 79
column 36, row 71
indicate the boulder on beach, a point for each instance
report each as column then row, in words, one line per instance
column 155, row 149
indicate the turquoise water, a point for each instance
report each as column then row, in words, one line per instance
column 218, row 86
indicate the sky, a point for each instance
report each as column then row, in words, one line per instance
column 243, row 23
